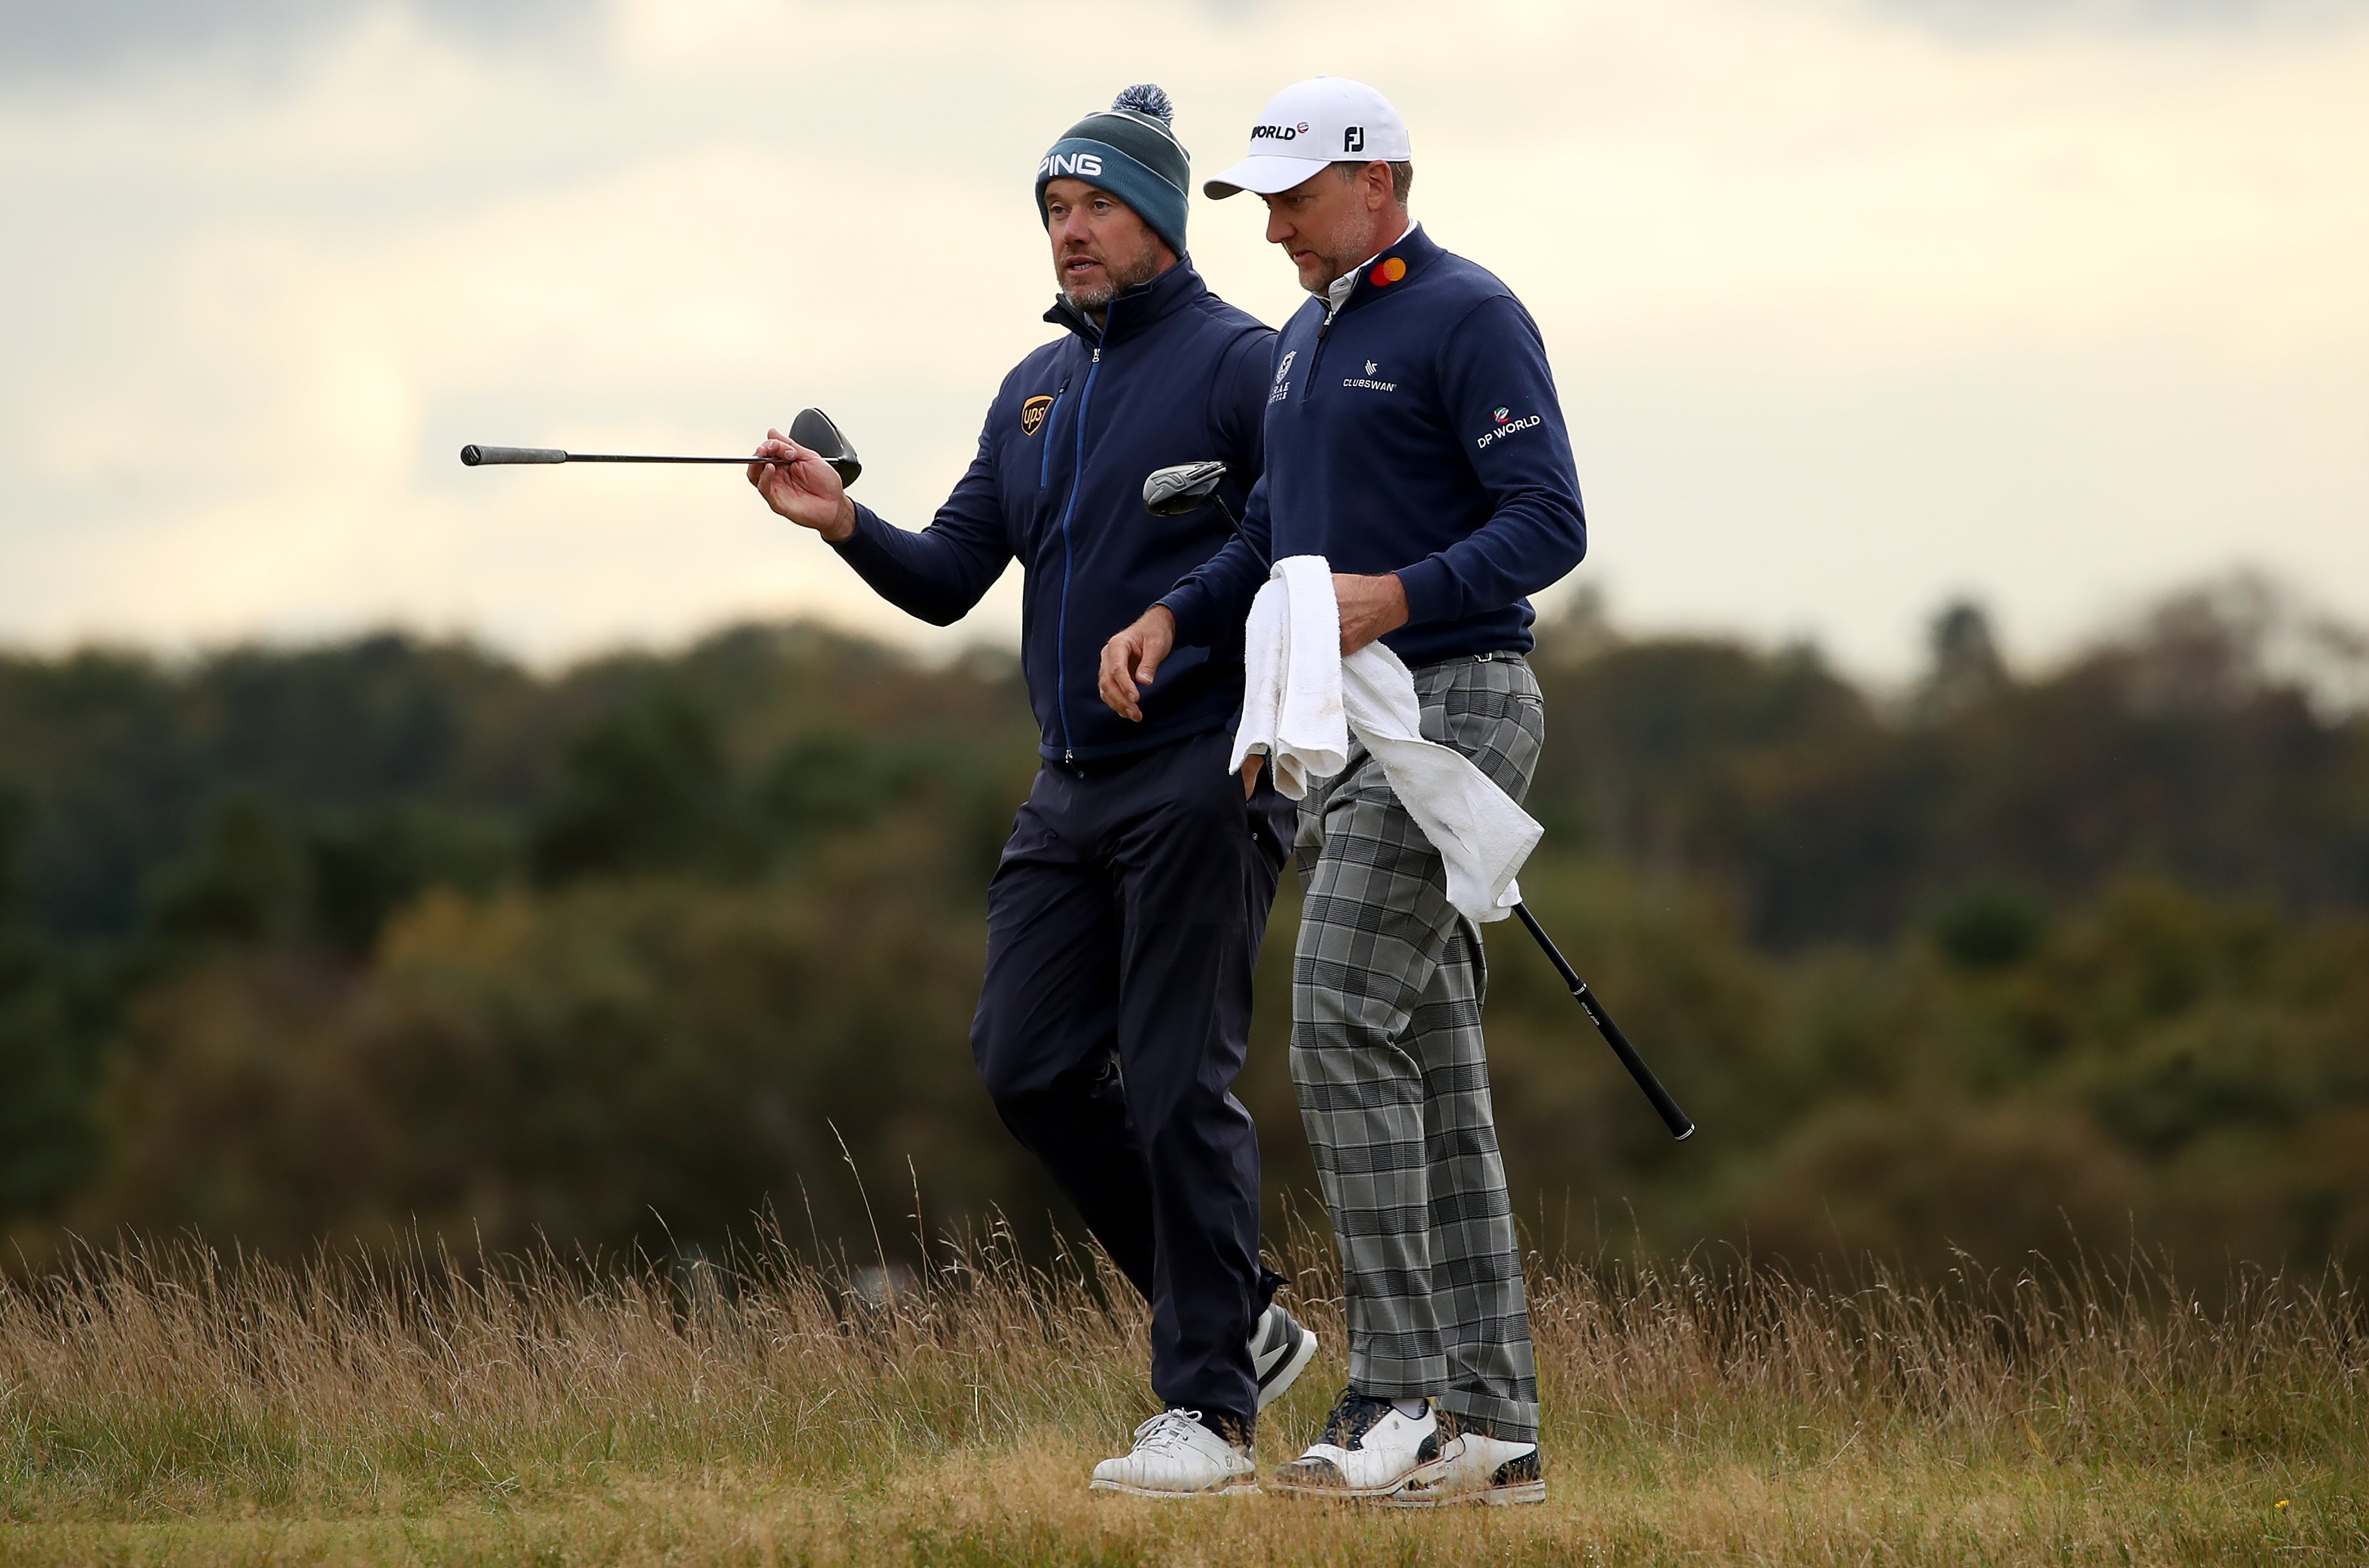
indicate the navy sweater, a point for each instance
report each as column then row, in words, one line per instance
column 1419, row 434
column 1175, row 376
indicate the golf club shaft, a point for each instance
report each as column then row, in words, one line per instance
column 625, row 457
column 1676, row 1120
column 500, row 455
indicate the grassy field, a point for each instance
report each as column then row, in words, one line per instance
column 170, row 1405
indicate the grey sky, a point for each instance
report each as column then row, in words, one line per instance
column 81, row 36
column 1852, row 308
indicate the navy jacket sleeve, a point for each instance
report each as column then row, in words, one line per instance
column 1215, row 597
column 1500, row 399
column 940, row 573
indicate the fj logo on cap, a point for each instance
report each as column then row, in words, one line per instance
column 1353, row 140
column 1032, row 414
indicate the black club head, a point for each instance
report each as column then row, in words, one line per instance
column 813, row 429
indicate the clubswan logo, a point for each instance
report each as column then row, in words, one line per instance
column 1032, row 414
column 1507, row 424
column 1279, row 132
column 1368, row 382
column 1056, row 164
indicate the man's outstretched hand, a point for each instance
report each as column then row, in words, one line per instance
column 807, row 491
column 1132, row 659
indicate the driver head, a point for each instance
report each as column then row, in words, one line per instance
column 1182, row 488
column 813, row 429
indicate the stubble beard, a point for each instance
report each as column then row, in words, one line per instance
column 1117, row 280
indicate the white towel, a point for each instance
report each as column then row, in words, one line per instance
column 1302, row 700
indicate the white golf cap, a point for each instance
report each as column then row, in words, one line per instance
column 1325, row 119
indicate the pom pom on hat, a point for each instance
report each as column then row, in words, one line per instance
column 1146, row 99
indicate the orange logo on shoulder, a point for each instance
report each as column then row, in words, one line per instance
column 1388, row 272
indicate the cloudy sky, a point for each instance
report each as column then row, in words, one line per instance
column 1854, row 304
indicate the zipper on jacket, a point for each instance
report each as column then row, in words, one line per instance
column 1052, row 423
column 1069, row 556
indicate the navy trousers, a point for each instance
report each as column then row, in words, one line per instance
column 1122, row 929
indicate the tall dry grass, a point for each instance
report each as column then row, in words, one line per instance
column 163, row 1392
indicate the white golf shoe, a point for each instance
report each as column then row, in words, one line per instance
column 1475, row 1467
column 1368, row 1452
column 1281, row 1349
column 1175, row 1456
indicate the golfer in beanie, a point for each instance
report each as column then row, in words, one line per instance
column 1124, row 919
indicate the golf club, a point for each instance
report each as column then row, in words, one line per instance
column 1186, row 486
column 1680, row 1124
column 812, row 429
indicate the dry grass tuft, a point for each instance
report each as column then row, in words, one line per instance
column 165, row 1403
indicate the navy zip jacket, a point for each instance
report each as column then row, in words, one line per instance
column 1175, row 376
column 1417, row 433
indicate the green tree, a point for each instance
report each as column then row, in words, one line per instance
column 47, row 1061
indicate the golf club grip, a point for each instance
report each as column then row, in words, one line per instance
column 474, row 456
column 1681, row 1125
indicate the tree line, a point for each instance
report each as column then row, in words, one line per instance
column 393, row 936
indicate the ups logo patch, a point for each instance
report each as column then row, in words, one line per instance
column 1032, row 414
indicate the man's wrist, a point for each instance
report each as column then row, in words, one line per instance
column 1184, row 604
column 842, row 527
column 1427, row 589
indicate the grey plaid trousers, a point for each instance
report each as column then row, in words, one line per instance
column 1387, row 1056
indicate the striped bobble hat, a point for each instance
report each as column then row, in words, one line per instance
column 1130, row 151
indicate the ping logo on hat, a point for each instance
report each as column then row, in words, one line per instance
column 1309, row 124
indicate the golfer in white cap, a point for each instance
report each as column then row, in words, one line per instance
column 1414, row 440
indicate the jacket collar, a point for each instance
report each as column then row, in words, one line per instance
column 1412, row 254
column 1135, row 310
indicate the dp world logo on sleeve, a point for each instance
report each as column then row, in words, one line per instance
column 1504, row 425
column 1279, row 132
